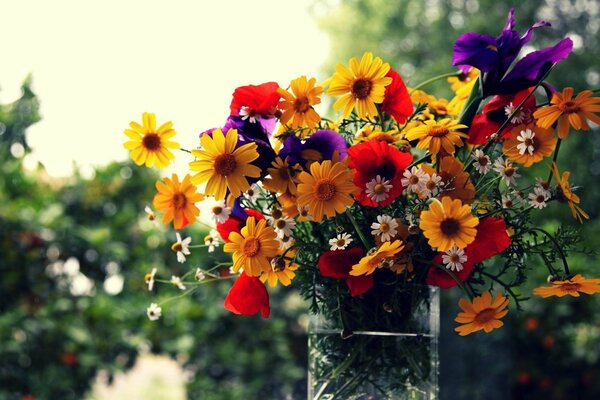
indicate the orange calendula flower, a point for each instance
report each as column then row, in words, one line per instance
column 448, row 223
column 362, row 85
column 282, row 177
column 529, row 144
column 569, row 111
column 368, row 264
column 326, row 190
column 482, row 313
column 438, row 135
column 223, row 166
column 177, row 201
column 149, row 145
column 253, row 247
column 572, row 287
column 298, row 111
column 565, row 195
column 455, row 181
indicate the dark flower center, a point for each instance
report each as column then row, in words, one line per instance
column 485, row 315
column 325, row 190
column 225, row 164
column 179, row 201
column 438, row 131
column 177, row 246
column 251, row 246
column 570, row 287
column 379, row 189
column 301, row 105
column 569, row 107
column 449, row 226
column 151, row 141
column 280, row 224
column 509, row 171
column 361, row 88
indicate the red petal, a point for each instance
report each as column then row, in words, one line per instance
column 396, row 101
column 437, row 277
column 248, row 296
column 337, row 264
column 491, row 239
column 359, row 284
column 481, row 129
column 261, row 99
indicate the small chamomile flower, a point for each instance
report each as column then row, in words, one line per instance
column 220, row 212
column 199, row 275
column 176, row 281
column 507, row 201
column 284, row 226
column 150, row 214
column 527, row 145
column 247, row 114
column 378, row 189
column 212, row 240
column 149, row 278
column 285, row 242
column 414, row 179
column 454, row 258
column 252, row 193
column 481, row 162
column 520, row 117
column 432, row 185
column 154, row 312
column 542, row 183
column 507, row 171
column 181, row 247
column 385, row 227
column 340, row 242
column 538, row 198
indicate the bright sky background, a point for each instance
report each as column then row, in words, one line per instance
column 98, row 65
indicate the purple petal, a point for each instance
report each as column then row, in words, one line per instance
column 327, row 142
column 510, row 21
column 475, row 50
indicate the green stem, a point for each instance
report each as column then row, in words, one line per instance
column 360, row 233
column 554, row 158
column 434, row 79
column 504, row 285
column 557, row 247
column 452, row 275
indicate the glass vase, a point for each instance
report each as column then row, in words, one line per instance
column 394, row 356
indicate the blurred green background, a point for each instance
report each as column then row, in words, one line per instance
column 74, row 252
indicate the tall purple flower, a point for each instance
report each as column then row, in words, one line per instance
column 321, row 145
column 494, row 56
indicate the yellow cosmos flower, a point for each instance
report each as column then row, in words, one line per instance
column 326, row 190
column 361, row 86
column 253, row 247
column 371, row 132
column 448, row 223
column 457, row 103
column 177, row 201
column 149, row 145
column 282, row 270
column 529, row 144
column 482, row 313
column 282, row 177
column 298, row 111
column 368, row 264
column 571, row 287
column 569, row 111
column 565, row 195
column 223, row 166
column 436, row 135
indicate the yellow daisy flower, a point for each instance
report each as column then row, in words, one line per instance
column 368, row 264
column 482, row 313
column 564, row 194
column 448, row 223
column 282, row 270
column 282, row 177
column 149, row 145
column 298, row 108
column 177, row 201
column 326, row 190
column 436, row 135
column 572, row 287
column 361, row 86
column 253, row 247
column 569, row 111
column 462, row 80
column 529, row 144
column 223, row 166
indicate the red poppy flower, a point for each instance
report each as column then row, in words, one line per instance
column 248, row 296
column 337, row 264
column 491, row 239
column 494, row 114
column 233, row 224
column 396, row 101
column 260, row 99
column 373, row 158
column 69, row 358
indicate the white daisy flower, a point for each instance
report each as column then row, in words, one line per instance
column 507, row 171
column 538, row 198
column 432, row 185
column 414, row 179
column 385, row 227
column 220, row 212
column 150, row 214
column 481, row 162
column 154, row 312
column 378, row 189
column 149, row 278
column 252, row 193
column 176, row 281
column 247, row 114
column 542, row 183
column 340, row 242
column 212, row 240
column 181, row 247
column 199, row 275
column 507, row 201
column 520, row 117
column 303, row 213
column 526, row 139
column 283, row 226
column 454, row 258
column 285, row 242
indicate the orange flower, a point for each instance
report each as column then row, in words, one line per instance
column 564, row 194
column 568, row 111
column 571, row 287
column 529, row 144
column 455, row 180
column 177, row 201
column 482, row 313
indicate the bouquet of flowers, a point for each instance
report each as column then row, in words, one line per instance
column 401, row 192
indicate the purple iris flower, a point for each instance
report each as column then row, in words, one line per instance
column 321, row 145
column 494, row 55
